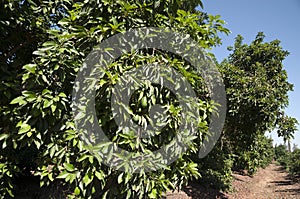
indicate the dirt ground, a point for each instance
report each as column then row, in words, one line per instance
column 269, row 183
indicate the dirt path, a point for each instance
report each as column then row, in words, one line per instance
column 270, row 183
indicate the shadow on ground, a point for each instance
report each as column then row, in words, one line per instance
column 195, row 190
column 286, row 183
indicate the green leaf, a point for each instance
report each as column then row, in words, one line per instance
column 29, row 134
column 120, row 178
column 30, row 68
column 3, row 136
column 62, row 95
column 53, row 107
column 128, row 194
column 29, row 95
column 83, row 157
column 19, row 100
column 69, row 167
column 40, row 53
column 47, row 103
column 46, row 91
column 24, row 128
column 45, row 79
column 77, row 191
column 153, row 193
column 37, row 143
column 127, row 177
column 63, row 175
column 10, row 192
column 49, row 43
column 87, row 179
column 52, row 151
column 50, row 176
column 46, row 48
column 91, row 159
column 63, row 22
column 99, row 175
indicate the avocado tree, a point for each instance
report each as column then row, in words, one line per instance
column 43, row 46
column 257, row 93
column 287, row 126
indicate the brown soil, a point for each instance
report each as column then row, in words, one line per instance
column 269, row 183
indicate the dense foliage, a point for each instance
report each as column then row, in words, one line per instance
column 257, row 93
column 289, row 160
column 43, row 45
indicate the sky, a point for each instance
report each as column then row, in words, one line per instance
column 278, row 20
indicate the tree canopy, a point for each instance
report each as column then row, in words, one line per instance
column 45, row 43
column 257, row 93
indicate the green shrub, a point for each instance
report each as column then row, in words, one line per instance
column 259, row 155
column 295, row 162
column 280, row 151
column 215, row 169
column 288, row 160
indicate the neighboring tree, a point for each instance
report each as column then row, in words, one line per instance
column 287, row 126
column 257, row 93
column 288, row 160
column 43, row 45
column 280, row 151
column 282, row 155
column 295, row 163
